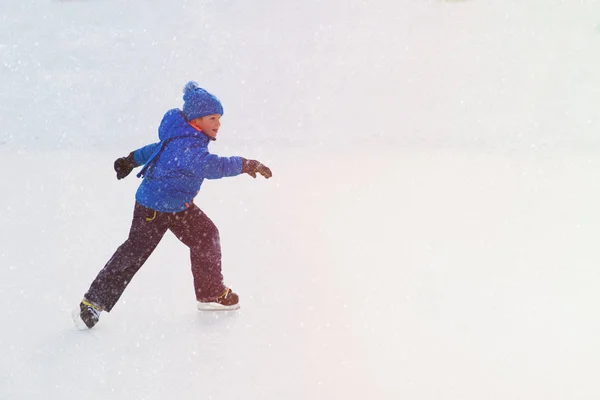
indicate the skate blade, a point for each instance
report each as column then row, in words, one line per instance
column 216, row 307
column 79, row 324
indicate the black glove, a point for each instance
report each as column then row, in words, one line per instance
column 124, row 166
column 251, row 167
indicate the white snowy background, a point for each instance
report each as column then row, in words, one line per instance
column 431, row 230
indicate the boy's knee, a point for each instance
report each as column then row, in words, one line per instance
column 208, row 238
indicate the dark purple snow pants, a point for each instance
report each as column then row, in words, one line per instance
column 148, row 227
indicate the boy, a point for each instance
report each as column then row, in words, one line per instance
column 173, row 171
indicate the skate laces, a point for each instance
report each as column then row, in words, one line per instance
column 225, row 294
column 218, row 298
column 94, row 309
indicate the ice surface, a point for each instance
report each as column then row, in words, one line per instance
column 430, row 231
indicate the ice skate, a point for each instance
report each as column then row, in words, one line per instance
column 87, row 316
column 227, row 301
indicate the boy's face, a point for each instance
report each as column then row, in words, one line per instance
column 209, row 124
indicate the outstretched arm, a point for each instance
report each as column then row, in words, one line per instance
column 216, row 167
column 124, row 165
column 252, row 167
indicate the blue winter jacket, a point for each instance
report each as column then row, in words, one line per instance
column 175, row 167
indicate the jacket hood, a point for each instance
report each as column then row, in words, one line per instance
column 175, row 125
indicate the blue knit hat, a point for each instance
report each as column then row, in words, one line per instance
column 198, row 103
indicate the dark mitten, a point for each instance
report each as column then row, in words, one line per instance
column 251, row 167
column 124, row 166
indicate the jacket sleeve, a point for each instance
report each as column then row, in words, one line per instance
column 142, row 155
column 215, row 167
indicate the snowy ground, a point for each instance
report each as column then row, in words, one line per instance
column 430, row 231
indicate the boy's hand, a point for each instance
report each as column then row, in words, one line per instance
column 251, row 167
column 124, row 165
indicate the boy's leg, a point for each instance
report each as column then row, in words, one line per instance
column 147, row 229
column 200, row 234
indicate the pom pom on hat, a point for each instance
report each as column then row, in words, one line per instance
column 198, row 103
column 191, row 85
